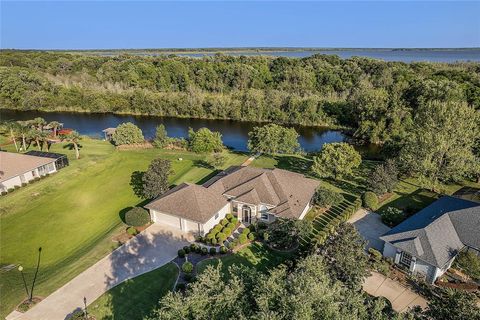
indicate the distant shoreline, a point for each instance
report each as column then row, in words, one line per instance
column 243, row 49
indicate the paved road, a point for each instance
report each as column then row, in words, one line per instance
column 153, row 248
column 401, row 297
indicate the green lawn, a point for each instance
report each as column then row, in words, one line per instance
column 135, row 298
column 255, row 255
column 74, row 213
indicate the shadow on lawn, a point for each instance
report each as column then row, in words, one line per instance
column 136, row 298
column 411, row 203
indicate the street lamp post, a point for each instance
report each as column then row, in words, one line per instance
column 20, row 268
column 85, row 310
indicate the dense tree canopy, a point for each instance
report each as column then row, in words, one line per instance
column 273, row 139
column 378, row 99
column 155, row 179
column 127, row 133
column 204, row 140
column 336, row 160
column 440, row 147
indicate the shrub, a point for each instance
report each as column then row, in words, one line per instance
column 370, row 200
column 223, row 250
column 326, row 197
column 235, row 242
column 11, row 190
column 251, row 236
column 137, row 217
column 229, row 216
column 252, row 227
column 186, row 249
column 187, row 267
column 266, row 236
column 261, row 225
column 127, row 133
column 242, row 238
column 234, row 220
column 24, row 184
column 214, row 241
column 392, row 216
column 4, row 193
column 231, row 226
column 198, row 249
column 221, row 237
column 376, row 255
column 211, row 235
column 213, row 251
column 231, row 245
column 227, row 231
column 204, row 251
column 217, row 227
column 224, row 222
column 188, row 277
column 193, row 247
column 469, row 262
column 246, row 231
column 132, row 231
column 181, row 253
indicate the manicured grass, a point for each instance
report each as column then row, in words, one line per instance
column 74, row 213
column 135, row 298
column 255, row 255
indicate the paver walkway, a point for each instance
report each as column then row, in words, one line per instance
column 153, row 248
column 400, row 296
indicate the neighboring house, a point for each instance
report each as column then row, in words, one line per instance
column 248, row 193
column 428, row 242
column 61, row 160
column 17, row 169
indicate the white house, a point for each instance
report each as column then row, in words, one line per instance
column 427, row 243
column 17, row 169
column 250, row 194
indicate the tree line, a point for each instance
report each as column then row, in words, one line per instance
column 378, row 100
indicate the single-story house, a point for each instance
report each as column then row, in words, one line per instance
column 250, row 194
column 428, row 242
column 18, row 168
column 61, row 160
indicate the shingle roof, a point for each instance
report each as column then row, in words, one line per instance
column 14, row 164
column 286, row 191
column 439, row 231
column 189, row 201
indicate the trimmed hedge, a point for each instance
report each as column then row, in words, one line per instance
column 187, row 267
column 370, row 200
column 223, row 250
column 246, row 231
column 137, row 217
column 132, row 231
column 213, row 251
column 243, row 238
column 224, row 222
column 229, row 216
column 181, row 253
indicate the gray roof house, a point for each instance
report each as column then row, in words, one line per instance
column 249, row 193
column 428, row 242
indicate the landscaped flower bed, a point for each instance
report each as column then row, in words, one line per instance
column 221, row 231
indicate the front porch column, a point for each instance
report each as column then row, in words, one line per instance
column 397, row 257
column 412, row 264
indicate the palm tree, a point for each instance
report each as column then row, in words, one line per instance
column 13, row 129
column 39, row 123
column 23, row 129
column 54, row 125
column 40, row 138
column 74, row 138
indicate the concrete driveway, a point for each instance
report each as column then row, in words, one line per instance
column 401, row 297
column 370, row 226
column 153, row 248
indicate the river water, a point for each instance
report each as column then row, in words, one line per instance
column 234, row 133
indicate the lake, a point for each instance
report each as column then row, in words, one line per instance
column 234, row 133
column 411, row 55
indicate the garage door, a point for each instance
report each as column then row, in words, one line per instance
column 169, row 220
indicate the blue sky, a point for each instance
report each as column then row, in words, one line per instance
column 134, row 24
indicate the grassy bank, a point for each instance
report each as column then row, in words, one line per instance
column 74, row 213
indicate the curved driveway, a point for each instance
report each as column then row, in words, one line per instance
column 153, row 248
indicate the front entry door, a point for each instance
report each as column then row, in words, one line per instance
column 247, row 214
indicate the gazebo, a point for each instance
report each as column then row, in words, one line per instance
column 109, row 133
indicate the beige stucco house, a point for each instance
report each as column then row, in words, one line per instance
column 251, row 194
column 17, row 169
